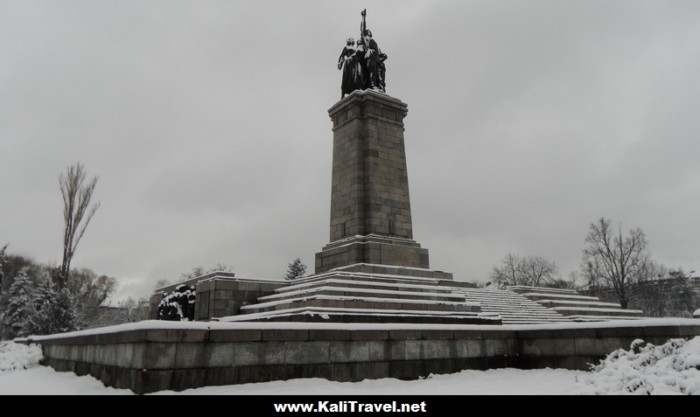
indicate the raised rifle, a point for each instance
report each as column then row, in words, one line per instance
column 363, row 24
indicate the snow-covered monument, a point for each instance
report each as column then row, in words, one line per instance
column 374, row 308
column 372, row 270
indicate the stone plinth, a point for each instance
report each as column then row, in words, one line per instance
column 372, row 249
column 370, row 205
column 154, row 356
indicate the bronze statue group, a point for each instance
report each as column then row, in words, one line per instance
column 362, row 63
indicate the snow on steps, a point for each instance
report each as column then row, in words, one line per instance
column 567, row 303
column 351, row 301
column 361, row 292
column 520, row 289
column 352, row 290
column 512, row 307
column 357, row 295
column 571, row 303
column 595, row 318
column 617, row 312
column 359, row 315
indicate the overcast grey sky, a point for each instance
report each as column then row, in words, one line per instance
column 207, row 124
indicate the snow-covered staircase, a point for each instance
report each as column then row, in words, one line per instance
column 370, row 293
column 575, row 306
column 367, row 293
column 511, row 306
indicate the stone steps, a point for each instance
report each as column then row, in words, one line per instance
column 571, row 303
column 596, row 318
column 567, row 303
column 370, row 292
column 358, row 315
column 366, row 282
column 525, row 289
column 536, row 296
column 373, row 278
column 376, row 303
column 615, row 312
column 512, row 307
column 365, row 292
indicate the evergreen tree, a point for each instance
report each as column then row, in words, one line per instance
column 2, row 265
column 54, row 311
column 20, row 308
column 295, row 270
column 63, row 312
column 44, row 301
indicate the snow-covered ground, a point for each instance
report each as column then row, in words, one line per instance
column 673, row 368
column 45, row 381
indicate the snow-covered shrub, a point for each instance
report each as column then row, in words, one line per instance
column 15, row 356
column 673, row 368
column 178, row 305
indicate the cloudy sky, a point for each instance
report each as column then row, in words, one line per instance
column 207, row 124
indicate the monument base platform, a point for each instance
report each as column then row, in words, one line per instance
column 372, row 249
column 367, row 293
column 153, row 356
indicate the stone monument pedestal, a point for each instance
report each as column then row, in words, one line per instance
column 372, row 249
column 370, row 206
column 372, row 270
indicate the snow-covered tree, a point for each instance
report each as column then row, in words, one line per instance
column 54, row 311
column 63, row 312
column 2, row 264
column 17, row 321
column 44, row 298
column 295, row 270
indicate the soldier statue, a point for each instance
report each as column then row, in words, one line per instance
column 362, row 65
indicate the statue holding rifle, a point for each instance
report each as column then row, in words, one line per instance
column 362, row 64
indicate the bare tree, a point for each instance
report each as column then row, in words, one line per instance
column 507, row 274
column 615, row 260
column 162, row 283
column 531, row 270
column 536, row 270
column 651, row 294
column 665, row 293
column 200, row 270
column 77, row 213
